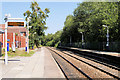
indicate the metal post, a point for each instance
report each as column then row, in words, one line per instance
column 27, row 35
column 82, row 39
column 70, row 40
column 28, row 42
column 107, row 45
column 3, row 40
column 6, row 55
column 13, row 45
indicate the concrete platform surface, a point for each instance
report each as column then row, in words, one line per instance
column 40, row 65
column 99, row 52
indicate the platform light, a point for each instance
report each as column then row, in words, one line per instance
column 6, row 22
column 27, row 41
column 107, row 44
column 82, row 38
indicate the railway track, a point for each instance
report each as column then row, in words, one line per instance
column 69, row 70
column 75, row 60
column 107, row 60
column 95, row 60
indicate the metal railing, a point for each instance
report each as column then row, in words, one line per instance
column 101, row 46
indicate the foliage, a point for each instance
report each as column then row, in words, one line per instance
column 57, row 44
column 52, row 39
column 89, row 18
column 37, row 21
column 19, row 53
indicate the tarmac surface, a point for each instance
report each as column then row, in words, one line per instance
column 40, row 65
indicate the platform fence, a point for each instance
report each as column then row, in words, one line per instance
column 101, row 46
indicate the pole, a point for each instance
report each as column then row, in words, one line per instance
column 28, row 42
column 28, row 36
column 107, row 45
column 13, row 42
column 3, row 40
column 6, row 55
column 70, row 40
column 82, row 39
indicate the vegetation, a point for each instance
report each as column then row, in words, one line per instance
column 52, row 39
column 89, row 18
column 37, row 21
column 18, row 53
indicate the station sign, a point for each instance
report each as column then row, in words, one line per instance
column 15, row 23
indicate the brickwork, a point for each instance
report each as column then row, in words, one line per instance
column 18, row 37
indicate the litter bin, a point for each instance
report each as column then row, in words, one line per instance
column 0, row 49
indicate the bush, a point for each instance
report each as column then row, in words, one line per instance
column 50, row 43
column 57, row 44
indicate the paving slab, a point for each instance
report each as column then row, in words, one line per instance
column 40, row 65
column 51, row 68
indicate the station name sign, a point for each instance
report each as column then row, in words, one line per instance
column 15, row 23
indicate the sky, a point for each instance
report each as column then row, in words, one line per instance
column 58, row 12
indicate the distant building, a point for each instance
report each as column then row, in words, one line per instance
column 17, row 32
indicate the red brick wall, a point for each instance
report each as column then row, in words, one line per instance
column 0, row 37
column 10, row 37
column 17, row 38
column 23, row 41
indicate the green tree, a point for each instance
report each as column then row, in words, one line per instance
column 52, row 39
column 70, row 30
column 37, row 21
column 92, row 15
column 89, row 18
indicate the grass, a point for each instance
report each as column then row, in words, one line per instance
column 19, row 53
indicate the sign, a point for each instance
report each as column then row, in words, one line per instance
column 7, row 46
column 15, row 23
column 8, row 39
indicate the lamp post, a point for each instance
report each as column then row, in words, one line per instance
column 3, row 41
column 28, row 20
column 107, row 44
column 82, row 38
column 6, row 24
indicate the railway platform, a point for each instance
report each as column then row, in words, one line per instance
column 106, row 57
column 40, row 65
column 95, row 51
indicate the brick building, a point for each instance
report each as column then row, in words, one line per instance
column 17, row 32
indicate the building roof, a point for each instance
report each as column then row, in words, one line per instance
column 15, row 29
